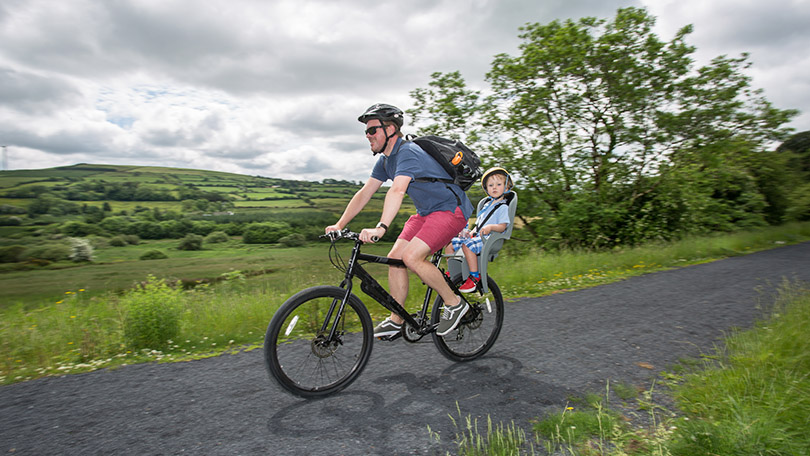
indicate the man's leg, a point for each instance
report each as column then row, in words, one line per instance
column 415, row 257
column 398, row 278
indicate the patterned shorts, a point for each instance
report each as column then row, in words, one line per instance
column 473, row 243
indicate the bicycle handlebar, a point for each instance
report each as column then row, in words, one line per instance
column 345, row 233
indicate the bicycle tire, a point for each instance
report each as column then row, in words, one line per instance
column 479, row 327
column 296, row 355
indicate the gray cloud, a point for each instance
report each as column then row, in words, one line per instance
column 274, row 88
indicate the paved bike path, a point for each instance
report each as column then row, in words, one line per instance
column 550, row 349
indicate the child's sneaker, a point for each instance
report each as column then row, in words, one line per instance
column 469, row 285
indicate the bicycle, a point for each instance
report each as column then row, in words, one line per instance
column 320, row 340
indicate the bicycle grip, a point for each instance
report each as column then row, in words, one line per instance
column 375, row 238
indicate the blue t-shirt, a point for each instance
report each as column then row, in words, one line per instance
column 408, row 159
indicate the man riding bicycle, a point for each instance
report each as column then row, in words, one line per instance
column 442, row 212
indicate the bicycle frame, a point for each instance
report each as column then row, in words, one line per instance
column 336, row 332
column 371, row 287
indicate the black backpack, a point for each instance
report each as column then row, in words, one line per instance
column 461, row 163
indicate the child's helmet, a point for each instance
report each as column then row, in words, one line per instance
column 497, row 170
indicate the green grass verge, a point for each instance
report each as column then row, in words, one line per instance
column 751, row 397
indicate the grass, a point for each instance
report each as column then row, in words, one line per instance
column 750, row 397
column 547, row 273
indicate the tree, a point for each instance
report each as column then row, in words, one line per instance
column 610, row 131
column 799, row 146
column 449, row 105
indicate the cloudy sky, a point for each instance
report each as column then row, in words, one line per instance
column 274, row 87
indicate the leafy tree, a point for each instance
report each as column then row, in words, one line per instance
column 448, row 103
column 606, row 128
column 799, row 146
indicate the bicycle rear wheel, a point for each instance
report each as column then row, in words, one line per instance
column 478, row 329
column 298, row 352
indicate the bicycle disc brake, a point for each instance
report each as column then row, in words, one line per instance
column 322, row 348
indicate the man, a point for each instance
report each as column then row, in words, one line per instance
column 442, row 211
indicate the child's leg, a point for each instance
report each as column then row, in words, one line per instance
column 472, row 260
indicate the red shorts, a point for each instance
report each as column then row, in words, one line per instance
column 435, row 229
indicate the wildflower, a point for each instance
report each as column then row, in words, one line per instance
column 569, row 408
column 59, row 302
column 73, row 316
column 81, row 289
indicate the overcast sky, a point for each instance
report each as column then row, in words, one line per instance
column 274, row 87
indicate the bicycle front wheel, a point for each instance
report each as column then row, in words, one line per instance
column 300, row 354
column 478, row 329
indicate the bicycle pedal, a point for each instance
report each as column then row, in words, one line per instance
column 390, row 338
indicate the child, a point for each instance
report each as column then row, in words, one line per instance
column 492, row 217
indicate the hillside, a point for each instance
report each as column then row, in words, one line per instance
column 126, row 186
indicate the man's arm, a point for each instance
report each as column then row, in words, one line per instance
column 393, row 201
column 357, row 203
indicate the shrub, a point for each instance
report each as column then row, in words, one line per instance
column 153, row 254
column 11, row 254
column 217, row 237
column 10, row 221
column 81, row 250
column 203, row 228
column 50, row 252
column 265, row 233
column 132, row 239
column 115, row 224
column 79, row 229
column 293, row 240
column 152, row 314
column 118, row 241
column 191, row 242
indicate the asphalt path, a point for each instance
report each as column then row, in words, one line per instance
column 550, row 350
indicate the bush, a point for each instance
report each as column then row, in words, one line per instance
column 10, row 221
column 153, row 254
column 293, row 240
column 152, row 314
column 217, row 237
column 191, row 242
column 265, row 233
column 118, row 241
column 50, row 252
column 81, row 250
column 132, row 239
column 79, row 229
column 11, row 254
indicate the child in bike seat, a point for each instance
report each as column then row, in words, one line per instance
column 493, row 216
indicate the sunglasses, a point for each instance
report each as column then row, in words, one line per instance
column 371, row 131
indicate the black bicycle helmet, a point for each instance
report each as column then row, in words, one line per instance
column 383, row 112
column 497, row 170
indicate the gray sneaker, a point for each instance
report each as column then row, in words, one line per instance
column 451, row 316
column 387, row 328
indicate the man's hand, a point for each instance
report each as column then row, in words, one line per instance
column 371, row 235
